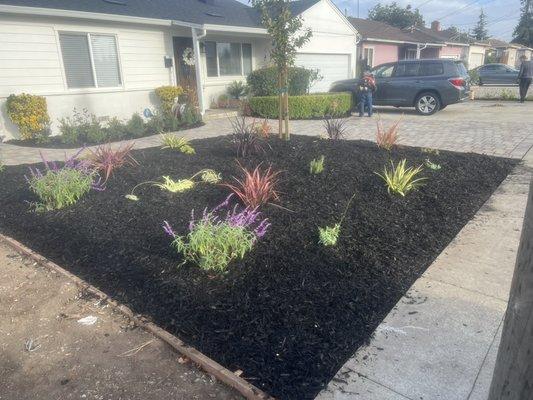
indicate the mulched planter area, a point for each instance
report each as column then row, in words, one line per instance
column 292, row 311
column 54, row 142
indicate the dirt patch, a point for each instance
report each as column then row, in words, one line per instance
column 47, row 354
column 292, row 312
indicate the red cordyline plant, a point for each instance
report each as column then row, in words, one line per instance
column 256, row 187
column 387, row 138
column 105, row 159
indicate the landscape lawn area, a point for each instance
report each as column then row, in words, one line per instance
column 292, row 311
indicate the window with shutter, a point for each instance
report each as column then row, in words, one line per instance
column 90, row 60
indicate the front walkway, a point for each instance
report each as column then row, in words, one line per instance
column 441, row 339
column 500, row 129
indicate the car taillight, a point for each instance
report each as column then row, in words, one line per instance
column 459, row 83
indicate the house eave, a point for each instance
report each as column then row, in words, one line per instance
column 371, row 39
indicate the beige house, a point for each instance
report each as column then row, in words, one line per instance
column 108, row 56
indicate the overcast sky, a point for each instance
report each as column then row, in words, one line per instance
column 502, row 15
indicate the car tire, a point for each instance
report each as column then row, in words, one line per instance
column 427, row 103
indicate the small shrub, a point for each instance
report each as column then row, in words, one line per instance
column 172, row 186
column 190, row 116
column 474, row 76
column 264, row 81
column 237, row 89
column 30, row 114
column 335, row 127
column 156, row 123
column 432, row 165
column 214, row 241
column 177, row 143
column 116, row 129
column 106, row 160
column 136, row 127
column 167, row 96
column 245, row 138
column 387, row 138
column 317, row 105
column 264, row 129
column 329, row 235
column 82, row 127
column 61, row 187
column 316, row 166
column 257, row 187
column 400, row 179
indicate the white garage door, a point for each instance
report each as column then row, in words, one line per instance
column 476, row 59
column 332, row 67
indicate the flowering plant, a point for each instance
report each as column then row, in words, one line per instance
column 214, row 241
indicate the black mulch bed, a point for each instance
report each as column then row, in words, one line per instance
column 54, row 142
column 292, row 312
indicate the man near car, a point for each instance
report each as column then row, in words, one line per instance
column 524, row 77
column 365, row 89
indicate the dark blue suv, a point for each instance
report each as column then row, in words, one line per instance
column 427, row 85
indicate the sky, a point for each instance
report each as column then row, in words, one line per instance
column 502, row 15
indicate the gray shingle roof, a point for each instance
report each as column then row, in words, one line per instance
column 380, row 30
column 218, row 12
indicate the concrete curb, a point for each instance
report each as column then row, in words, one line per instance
column 205, row 363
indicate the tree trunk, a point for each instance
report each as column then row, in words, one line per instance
column 513, row 375
column 280, row 101
column 286, row 102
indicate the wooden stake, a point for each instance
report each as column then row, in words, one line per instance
column 286, row 102
column 280, row 101
column 513, row 375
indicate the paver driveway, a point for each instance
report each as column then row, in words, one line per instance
column 496, row 128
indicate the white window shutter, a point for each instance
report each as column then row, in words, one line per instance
column 77, row 60
column 106, row 64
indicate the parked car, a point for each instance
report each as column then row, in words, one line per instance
column 497, row 74
column 428, row 85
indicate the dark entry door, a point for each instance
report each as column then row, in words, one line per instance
column 185, row 74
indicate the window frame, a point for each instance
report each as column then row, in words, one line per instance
column 368, row 49
column 96, row 87
column 218, row 76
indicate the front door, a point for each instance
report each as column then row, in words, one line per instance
column 184, row 56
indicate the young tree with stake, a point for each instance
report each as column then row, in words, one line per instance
column 287, row 35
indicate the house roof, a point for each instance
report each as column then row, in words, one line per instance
column 382, row 31
column 444, row 35
column 497, row 43
column 216, row 12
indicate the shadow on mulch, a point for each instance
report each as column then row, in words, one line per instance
column 292, row 312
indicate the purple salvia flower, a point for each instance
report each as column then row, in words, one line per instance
column 168, row 229
column 262, row 228
column 224, row 204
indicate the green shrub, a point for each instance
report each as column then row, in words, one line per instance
column 316, row 166
column 136, row 127
column 60, row 188
column 167, row 95
column 82, row 128
column 303, row 107
column 30, row 114
column 190, row 116
column 474, row 76
column 116, row 129
column 237, row 89
column 264, row 81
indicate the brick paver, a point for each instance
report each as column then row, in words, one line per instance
column 485, row 127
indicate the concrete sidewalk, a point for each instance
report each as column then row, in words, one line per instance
column 440, row 341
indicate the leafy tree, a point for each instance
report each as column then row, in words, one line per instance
column 395, row 15
column 480, row 31
column 287, row 36
column 523, row 33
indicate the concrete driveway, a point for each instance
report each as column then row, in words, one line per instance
column 486, row 127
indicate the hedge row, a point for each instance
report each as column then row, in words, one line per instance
column 303, row 107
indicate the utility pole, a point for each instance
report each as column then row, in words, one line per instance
column 358, row 9
column 513, row 375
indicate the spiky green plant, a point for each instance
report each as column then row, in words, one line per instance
column 210, row 176
column 178, row 186
column 329, row 235
column 177, row 143
column 430, row 151
column 401, row 179
column 316, row 166
column 2, row 166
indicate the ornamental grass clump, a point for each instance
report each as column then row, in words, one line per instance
column 400, row 179
column 214, row 240
column 387, row 138
column 257, row 187
column 335, row 127
column 106, row 160
column 180, row 144
column 60, row 187
column 329, row 235
column 245, row 138
column 316, row 166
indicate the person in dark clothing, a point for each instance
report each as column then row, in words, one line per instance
column 365, row 89
column 524, row 77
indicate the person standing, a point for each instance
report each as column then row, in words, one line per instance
column 524, row 77
column 365, row 88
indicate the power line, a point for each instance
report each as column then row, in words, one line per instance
column 459, row 9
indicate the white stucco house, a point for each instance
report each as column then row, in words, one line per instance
column 108, row 55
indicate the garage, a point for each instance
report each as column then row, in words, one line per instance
column 476, row 59
column 331, row 67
